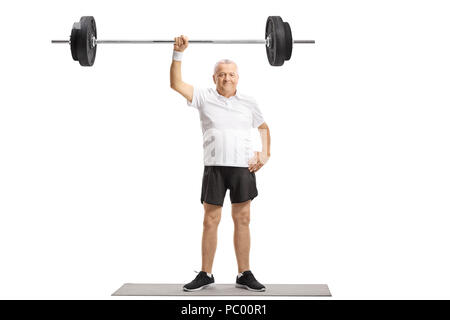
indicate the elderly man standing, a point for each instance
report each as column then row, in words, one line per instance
column 227, row 117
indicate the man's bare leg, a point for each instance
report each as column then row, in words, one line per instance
column 209, row 238
column 241, row 219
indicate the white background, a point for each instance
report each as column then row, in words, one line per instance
column 100, row 168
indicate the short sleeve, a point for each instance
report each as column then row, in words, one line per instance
column 198, row 98
column 257, row 115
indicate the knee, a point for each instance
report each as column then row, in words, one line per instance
column 211, row 222
column 241, row 219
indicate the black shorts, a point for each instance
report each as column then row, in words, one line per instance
column 217, row 179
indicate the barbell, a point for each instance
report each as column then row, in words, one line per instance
column 278, row 41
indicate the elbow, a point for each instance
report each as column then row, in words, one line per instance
column 174, row 85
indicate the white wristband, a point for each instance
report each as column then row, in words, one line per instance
column 177, row 55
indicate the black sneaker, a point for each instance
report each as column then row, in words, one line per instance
column 202, row 280
column 247, row 281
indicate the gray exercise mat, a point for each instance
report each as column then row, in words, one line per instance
column 170, row 289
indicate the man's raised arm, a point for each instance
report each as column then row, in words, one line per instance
column 176, row 82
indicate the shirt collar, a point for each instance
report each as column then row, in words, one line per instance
column 237, row 95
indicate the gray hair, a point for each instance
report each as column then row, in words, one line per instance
column 226, row 61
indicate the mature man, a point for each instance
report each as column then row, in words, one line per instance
column 227, row 118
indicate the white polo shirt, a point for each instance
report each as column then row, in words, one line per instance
column 226, row 125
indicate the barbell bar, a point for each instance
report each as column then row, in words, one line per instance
column 278, row 42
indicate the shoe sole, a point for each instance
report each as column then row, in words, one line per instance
column 248, row 288
column 200, row 288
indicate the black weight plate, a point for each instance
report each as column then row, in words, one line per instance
column 276, row 53
column 85, row 50
column 288, row 37
column 74, row 39
column 270, row 51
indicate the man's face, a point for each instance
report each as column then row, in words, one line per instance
column 226, row 77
